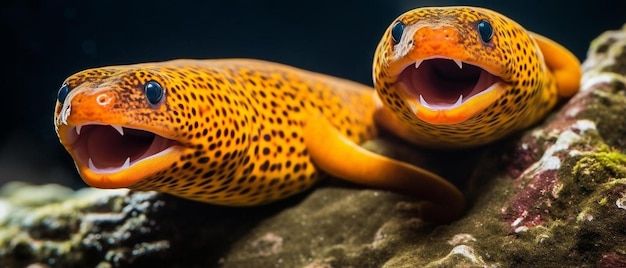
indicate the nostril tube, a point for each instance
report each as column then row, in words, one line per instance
column 103, row 99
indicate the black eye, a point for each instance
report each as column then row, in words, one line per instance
column 396, row 32
column 485, row 30
column 62, row 94
column 154, row 92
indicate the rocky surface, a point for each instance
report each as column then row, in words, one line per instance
column 554, row 195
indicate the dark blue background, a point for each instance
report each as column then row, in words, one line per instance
column 46, row 41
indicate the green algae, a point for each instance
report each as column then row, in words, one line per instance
column 565, row 238
column 55, row 230
column 599, row 167
column 582, row 223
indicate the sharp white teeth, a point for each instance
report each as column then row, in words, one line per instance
column 423, row 102
column 459, row 63
column 119, row 129
column 440, row 106
column 108, row 170
column 459, row 101
column 78, row 128
column 126, row 163
column 91, row 165
column 417, row 63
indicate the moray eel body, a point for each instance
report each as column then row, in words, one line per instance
column 234, row 132
column 454, row 77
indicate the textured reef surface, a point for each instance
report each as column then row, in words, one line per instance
column 554, row 195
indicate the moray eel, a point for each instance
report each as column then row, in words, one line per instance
column 235, row 132
column 456, row 77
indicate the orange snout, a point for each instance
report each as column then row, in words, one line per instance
column 437, row 41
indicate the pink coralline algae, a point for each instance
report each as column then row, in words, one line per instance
column 540, row 183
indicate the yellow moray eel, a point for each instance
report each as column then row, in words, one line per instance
column 232, row 132
column 454, row 77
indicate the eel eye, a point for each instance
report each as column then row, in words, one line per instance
column 485, row 30
column 62, row 94
column 154, row 92
column 396, row 32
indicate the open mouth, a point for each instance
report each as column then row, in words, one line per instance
column 444, row 83
column 110, row 149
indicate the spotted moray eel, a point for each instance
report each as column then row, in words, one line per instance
column 234, row 132
column 454, row 77
column 244, row 132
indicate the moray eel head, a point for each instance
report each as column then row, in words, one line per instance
column 458, row 76
column 448, row 64
column 117, row 128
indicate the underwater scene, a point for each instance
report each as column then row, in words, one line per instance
column 313, row 134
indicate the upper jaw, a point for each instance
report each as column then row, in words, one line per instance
column 456, row 61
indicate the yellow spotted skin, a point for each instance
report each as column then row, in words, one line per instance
column 534, row 72
column 238, row 124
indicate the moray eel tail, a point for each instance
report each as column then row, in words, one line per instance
column 444, row 203
column 565, row 66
